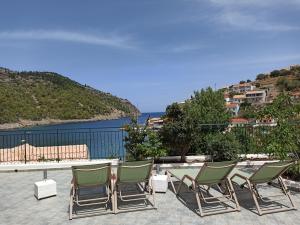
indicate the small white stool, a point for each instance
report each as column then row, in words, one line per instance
column 45, row 188
column 160, row 183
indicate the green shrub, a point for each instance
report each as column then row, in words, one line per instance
column 222, row 146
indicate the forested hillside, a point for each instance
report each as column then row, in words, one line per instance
column 46, row 95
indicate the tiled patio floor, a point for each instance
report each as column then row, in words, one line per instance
column 19, row 206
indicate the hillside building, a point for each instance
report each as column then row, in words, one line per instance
column 258, row 96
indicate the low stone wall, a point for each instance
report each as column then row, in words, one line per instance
column 44, row 153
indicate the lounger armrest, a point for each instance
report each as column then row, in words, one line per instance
column 239, row 175
column 188, row 177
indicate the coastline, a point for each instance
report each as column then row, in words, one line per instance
column 30, row 123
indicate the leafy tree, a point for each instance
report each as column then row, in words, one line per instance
column 175, row 133
column 285, row 72
column 275, row 73
column 142, row 142
column 134, row 139
column 186, row 126
column 282, row 139
column 249, row 138
column 206, row 107
column 222, row 146
column 261, row 76
column 152, row 145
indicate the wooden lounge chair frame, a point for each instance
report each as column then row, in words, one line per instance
column 200, row 184
column 265, row 175
column 140, row 174
column 90, row 176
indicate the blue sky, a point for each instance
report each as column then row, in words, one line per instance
column 152, row 52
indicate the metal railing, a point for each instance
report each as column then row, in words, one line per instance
column 106, row 142
column 61, row 144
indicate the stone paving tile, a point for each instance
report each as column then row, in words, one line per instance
column 19, row 206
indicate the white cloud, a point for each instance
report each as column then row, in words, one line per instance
column 241, row 20
column 254, row 3
column 118, row 41
column 255, row 15
column 185, row 48
column 280, row 58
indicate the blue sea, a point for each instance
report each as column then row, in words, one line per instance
column 116, row 123
column 104, row 139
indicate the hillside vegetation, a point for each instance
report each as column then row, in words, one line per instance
column 280, row 80
column 46, row 95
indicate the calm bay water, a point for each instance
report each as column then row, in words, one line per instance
column 103, row 139
column 116, row 123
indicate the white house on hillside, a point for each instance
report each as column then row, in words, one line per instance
column 258, row 96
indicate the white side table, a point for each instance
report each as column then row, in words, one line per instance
column 160, row 183
column 44, row 189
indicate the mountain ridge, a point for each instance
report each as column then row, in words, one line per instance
column 45, row 97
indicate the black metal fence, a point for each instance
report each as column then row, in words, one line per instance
column 108, row 142
column 61, row 144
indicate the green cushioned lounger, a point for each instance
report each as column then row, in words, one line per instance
column 201, row 180
column 267, row 173
column 90, row 176
column 137, row 174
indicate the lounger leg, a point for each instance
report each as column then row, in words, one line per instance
column 197, row 197
column 286, row 191
column 254, row 197
column 233, row 194
column 170, row 180
column 71, row 203
column 115, row 199
column 152, row 188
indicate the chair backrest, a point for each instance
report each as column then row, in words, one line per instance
column 270, row 171
column 91, row 175
column 134, row 172
column 214, row 172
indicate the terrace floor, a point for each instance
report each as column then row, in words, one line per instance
column 19, row 206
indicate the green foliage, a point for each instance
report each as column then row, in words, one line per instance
column 206, row 107
column 282, row 109
column 152, row 145
column 246, row 139
column 281, row 139
column 222, row 146
column 43, row 95
column 135, row 137
column 186, row 126
column 294, row 70
column 175, row 133
column 247, row 111
column 287, row 85
column 261, row 76
column 142, row 142
column 275, row 73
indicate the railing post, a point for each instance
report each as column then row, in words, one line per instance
column 24, row 141
column 123, row 145
column 57, row 147
column 89, row 149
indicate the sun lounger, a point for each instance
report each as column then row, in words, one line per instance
column 87, row 177
column 267, row 173
column 138, row 175
column 201, row 180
